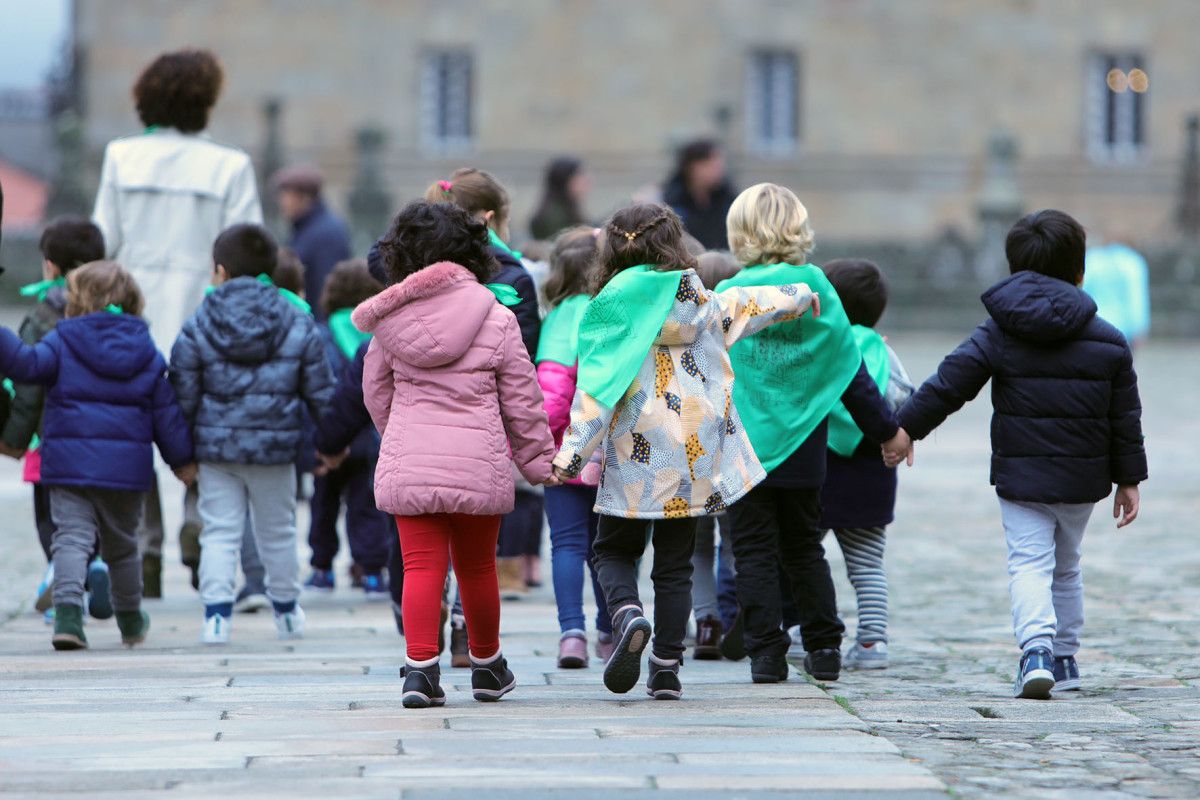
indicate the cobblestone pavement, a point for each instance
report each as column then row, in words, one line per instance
column 320, row 717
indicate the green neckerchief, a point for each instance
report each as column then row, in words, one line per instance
column 152, row 128
column 495, row 241
column 791, row 375
column 347, row 337
column 113, row 308
column 293, row 298
column 559, row 341
column 40, row 289
column 620, row 326
column 506, row 294
column 844, row 435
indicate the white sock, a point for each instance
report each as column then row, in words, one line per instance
column 421, row 664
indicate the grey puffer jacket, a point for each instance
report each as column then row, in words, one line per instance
column 244, row 367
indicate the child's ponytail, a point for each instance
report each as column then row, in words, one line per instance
column 472, row 190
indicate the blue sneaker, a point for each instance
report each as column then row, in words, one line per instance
column 100, row 586
column 321, row 580
column 1066, row 674
column 1035, row 676
column 375, row 589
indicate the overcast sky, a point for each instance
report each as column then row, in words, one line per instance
column 31, row 35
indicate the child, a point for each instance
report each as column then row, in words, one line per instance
column 655, row 384
column 858, row 498
column 569, row 507
column 789, row 379
column 66, row 243
column 1066, row 426
column 351, row 483
column 452, row 392
column 107, row 403
column 245, row 366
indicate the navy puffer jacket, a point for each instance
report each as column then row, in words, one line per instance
column 1066, row 421
column 107, row 404
column 245, row 367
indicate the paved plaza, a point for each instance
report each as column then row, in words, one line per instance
column 321, row 717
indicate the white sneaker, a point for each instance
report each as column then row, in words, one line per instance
column 873, row 657
column 291, row 624
column 216, row 630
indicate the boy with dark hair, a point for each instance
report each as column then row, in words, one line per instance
column 1066, row 426
column 245, row 367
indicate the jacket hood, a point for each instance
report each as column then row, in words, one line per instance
column 117, row 346
column 245, row 320
column 431, row 317
column 1038, row 308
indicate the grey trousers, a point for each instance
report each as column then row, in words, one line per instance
column 81, row 515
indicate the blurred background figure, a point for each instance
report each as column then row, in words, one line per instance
column 1118, row 279
column 700, row 192
column 563, row 194
column 318, row 238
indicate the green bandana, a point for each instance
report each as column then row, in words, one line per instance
column 844, row 435
column 560, row 331
column 42, row 288
column 506, row 294
column 619, row 327
column 293, row 298
column 791, row 375
column 113, row 308
column 347, row 337
column 495, row 241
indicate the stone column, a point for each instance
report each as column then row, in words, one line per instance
column 370, row 204
column 271, row 162
column 1000, row 205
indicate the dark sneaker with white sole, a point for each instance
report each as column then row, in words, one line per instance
column 1035, row 675
column 422, row 685
column 1066, row 674
column 624, row 669
column 663, row 683
column 824, row 664
column 491, row 679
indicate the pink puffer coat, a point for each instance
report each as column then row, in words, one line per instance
column 450, row 387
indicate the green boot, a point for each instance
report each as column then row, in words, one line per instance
column 134, row 625
column 68, row 628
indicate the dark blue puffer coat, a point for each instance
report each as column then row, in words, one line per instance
column 108, row 402
column 1067, row 417
column 513, row 273
column 245, row 367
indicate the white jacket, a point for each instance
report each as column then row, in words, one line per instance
column 163, row 198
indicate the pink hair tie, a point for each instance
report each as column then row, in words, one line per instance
column 445, row 186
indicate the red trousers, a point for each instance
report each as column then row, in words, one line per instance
column 430, row 543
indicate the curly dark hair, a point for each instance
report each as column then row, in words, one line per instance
column 349, row 284
column 642, row 233
column 426, row 233
column 179, row 89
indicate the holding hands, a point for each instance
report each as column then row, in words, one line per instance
column 898, row 448
column 187, row 473
column 1126, row 504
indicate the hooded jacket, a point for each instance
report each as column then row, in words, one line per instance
column 1066, row 421
column 451, row 389
column 108, row 402
column 245, row 367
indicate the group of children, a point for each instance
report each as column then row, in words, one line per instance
column 645, row 402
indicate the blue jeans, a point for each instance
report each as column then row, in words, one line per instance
column 572, row 531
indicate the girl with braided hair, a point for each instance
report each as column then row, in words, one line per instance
column 655, row 385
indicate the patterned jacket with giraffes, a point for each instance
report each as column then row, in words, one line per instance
column 674, row 444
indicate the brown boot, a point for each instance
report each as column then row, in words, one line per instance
column 708, row 639
column 510, row 573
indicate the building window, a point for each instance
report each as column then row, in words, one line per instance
column 773, row 102
column 1117, row 86
column 447, row 116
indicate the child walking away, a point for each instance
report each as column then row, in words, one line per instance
column 244, row 367
column 1066, row 426
column 67, row 243
column 107, row 403
column 352, row 483
column 573, row 523
column 858, row 498
column 789, row 379
column 451, row 389
column 655, row 384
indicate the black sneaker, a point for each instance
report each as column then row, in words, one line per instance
column 733, row 644
column 768, row 668
column 625, row 667
column 1066, row 674
column 492, row 679
column 824, row 664
column 663, row 683
column 422, row 686
column 1035, row 675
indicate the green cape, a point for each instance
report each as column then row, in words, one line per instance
column 619, row 327
column 791, row 375
column 347, row 337
column 844, row 435
column 559, row 341
column 505, row 294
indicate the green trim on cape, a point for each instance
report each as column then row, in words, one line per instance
column 345, row 335
column 40, row 289
column 844, row 435
column 559, row 341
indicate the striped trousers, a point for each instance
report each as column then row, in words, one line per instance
column 863, row 550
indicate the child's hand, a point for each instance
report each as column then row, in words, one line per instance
column 330, row 463
column 561, row 475
column 816, row 305
column 898, row 448
column 553, row 480
column 187, row 473
column 1125, row 505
